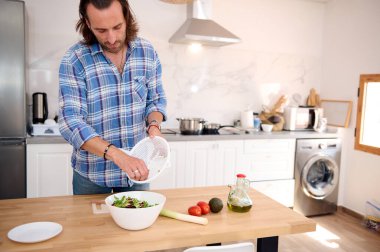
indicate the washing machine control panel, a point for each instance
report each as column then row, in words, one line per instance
column 322, row 146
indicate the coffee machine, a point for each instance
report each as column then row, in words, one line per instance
column 40, row 108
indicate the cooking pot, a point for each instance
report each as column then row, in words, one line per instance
column 191, row 126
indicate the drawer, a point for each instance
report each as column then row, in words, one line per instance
column 269, row 145
column 268, row 166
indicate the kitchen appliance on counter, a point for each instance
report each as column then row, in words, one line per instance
column 40, row 107
column 12, row 100
column 302, row 118
column 45, row 130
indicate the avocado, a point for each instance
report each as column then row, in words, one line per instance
column 216, row 205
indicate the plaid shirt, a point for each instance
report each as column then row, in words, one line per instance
column 95, row 100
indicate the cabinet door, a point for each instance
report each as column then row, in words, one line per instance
column 173, row 176
column 269, row 159
column 200, row 156
column 212, row 163
column 281, row 191
column 49, row 171
column 227, row 162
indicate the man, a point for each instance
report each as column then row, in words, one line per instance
column 111, row 95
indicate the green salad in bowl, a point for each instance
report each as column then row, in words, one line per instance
column 129, row 202
column 135, row 210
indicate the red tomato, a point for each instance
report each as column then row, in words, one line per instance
column 205, row 207
column 195, row 210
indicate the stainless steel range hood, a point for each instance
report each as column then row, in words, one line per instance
column 199, row 28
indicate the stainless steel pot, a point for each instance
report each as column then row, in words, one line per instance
column 191, row 126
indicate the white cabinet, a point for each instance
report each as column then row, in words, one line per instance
column 270, row 164
column 280, row 190
column 211, row 163
column 172, row 176
column 269, row 159
column 49, row 171
column 200, row 163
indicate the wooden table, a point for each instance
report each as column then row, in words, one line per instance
column 84, row 231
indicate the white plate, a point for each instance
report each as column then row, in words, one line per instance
column 35, row 232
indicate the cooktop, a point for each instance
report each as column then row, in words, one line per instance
column 222, row 131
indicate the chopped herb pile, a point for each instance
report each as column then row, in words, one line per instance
column 128, row 202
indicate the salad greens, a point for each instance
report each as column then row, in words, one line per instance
column 129, row 202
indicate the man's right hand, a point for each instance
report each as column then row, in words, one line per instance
column 134, row 167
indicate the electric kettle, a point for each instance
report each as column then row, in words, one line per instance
column 40, row 108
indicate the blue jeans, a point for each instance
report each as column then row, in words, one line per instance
column 82, row 185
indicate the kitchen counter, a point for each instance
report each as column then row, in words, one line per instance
column 85, row 231
column 170, row 137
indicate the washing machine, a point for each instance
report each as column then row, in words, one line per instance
column 317, row 163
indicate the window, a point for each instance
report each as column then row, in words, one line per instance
column 367, row 133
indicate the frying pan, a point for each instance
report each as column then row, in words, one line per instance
column 213, row 128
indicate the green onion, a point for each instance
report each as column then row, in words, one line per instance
column 183, row 217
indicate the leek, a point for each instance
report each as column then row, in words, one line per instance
column 183, row 217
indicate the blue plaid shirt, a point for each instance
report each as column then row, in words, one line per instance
column 95, row 100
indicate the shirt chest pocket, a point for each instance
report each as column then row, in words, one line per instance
column 139, row 89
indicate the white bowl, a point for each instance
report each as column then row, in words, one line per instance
column 155, row 152
column 136, row 218
column 267, row 127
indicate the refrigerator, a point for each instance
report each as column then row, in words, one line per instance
column 12, row 100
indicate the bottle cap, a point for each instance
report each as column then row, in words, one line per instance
column 240, row 175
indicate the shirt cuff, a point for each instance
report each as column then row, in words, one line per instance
column 81, row 135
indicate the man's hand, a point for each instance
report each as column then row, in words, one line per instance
column 134, row 167
column 154, row 124
column 154, row 131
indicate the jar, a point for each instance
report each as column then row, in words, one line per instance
column 238, row 198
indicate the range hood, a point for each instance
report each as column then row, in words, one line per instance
column 199, row 28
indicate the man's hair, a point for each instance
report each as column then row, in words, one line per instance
column 88, row 36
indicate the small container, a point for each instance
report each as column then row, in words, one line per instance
column 267, row 127
column 256, row 122
column 238, row 198
column 246, row 119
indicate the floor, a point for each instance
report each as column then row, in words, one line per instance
column 338, row 232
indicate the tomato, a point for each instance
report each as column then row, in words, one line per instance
column 195, row 210
column 205, row 207
column 200, row 203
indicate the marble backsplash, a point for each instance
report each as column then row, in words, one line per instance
column 218, row 83
column 213, row 83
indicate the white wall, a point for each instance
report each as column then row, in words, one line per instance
column 280, row 53
column 352, row 47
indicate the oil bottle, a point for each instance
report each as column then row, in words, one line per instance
column 238, row 199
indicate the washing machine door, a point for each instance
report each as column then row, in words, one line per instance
column 319, row 176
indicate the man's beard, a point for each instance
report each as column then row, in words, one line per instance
column 113, row 49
